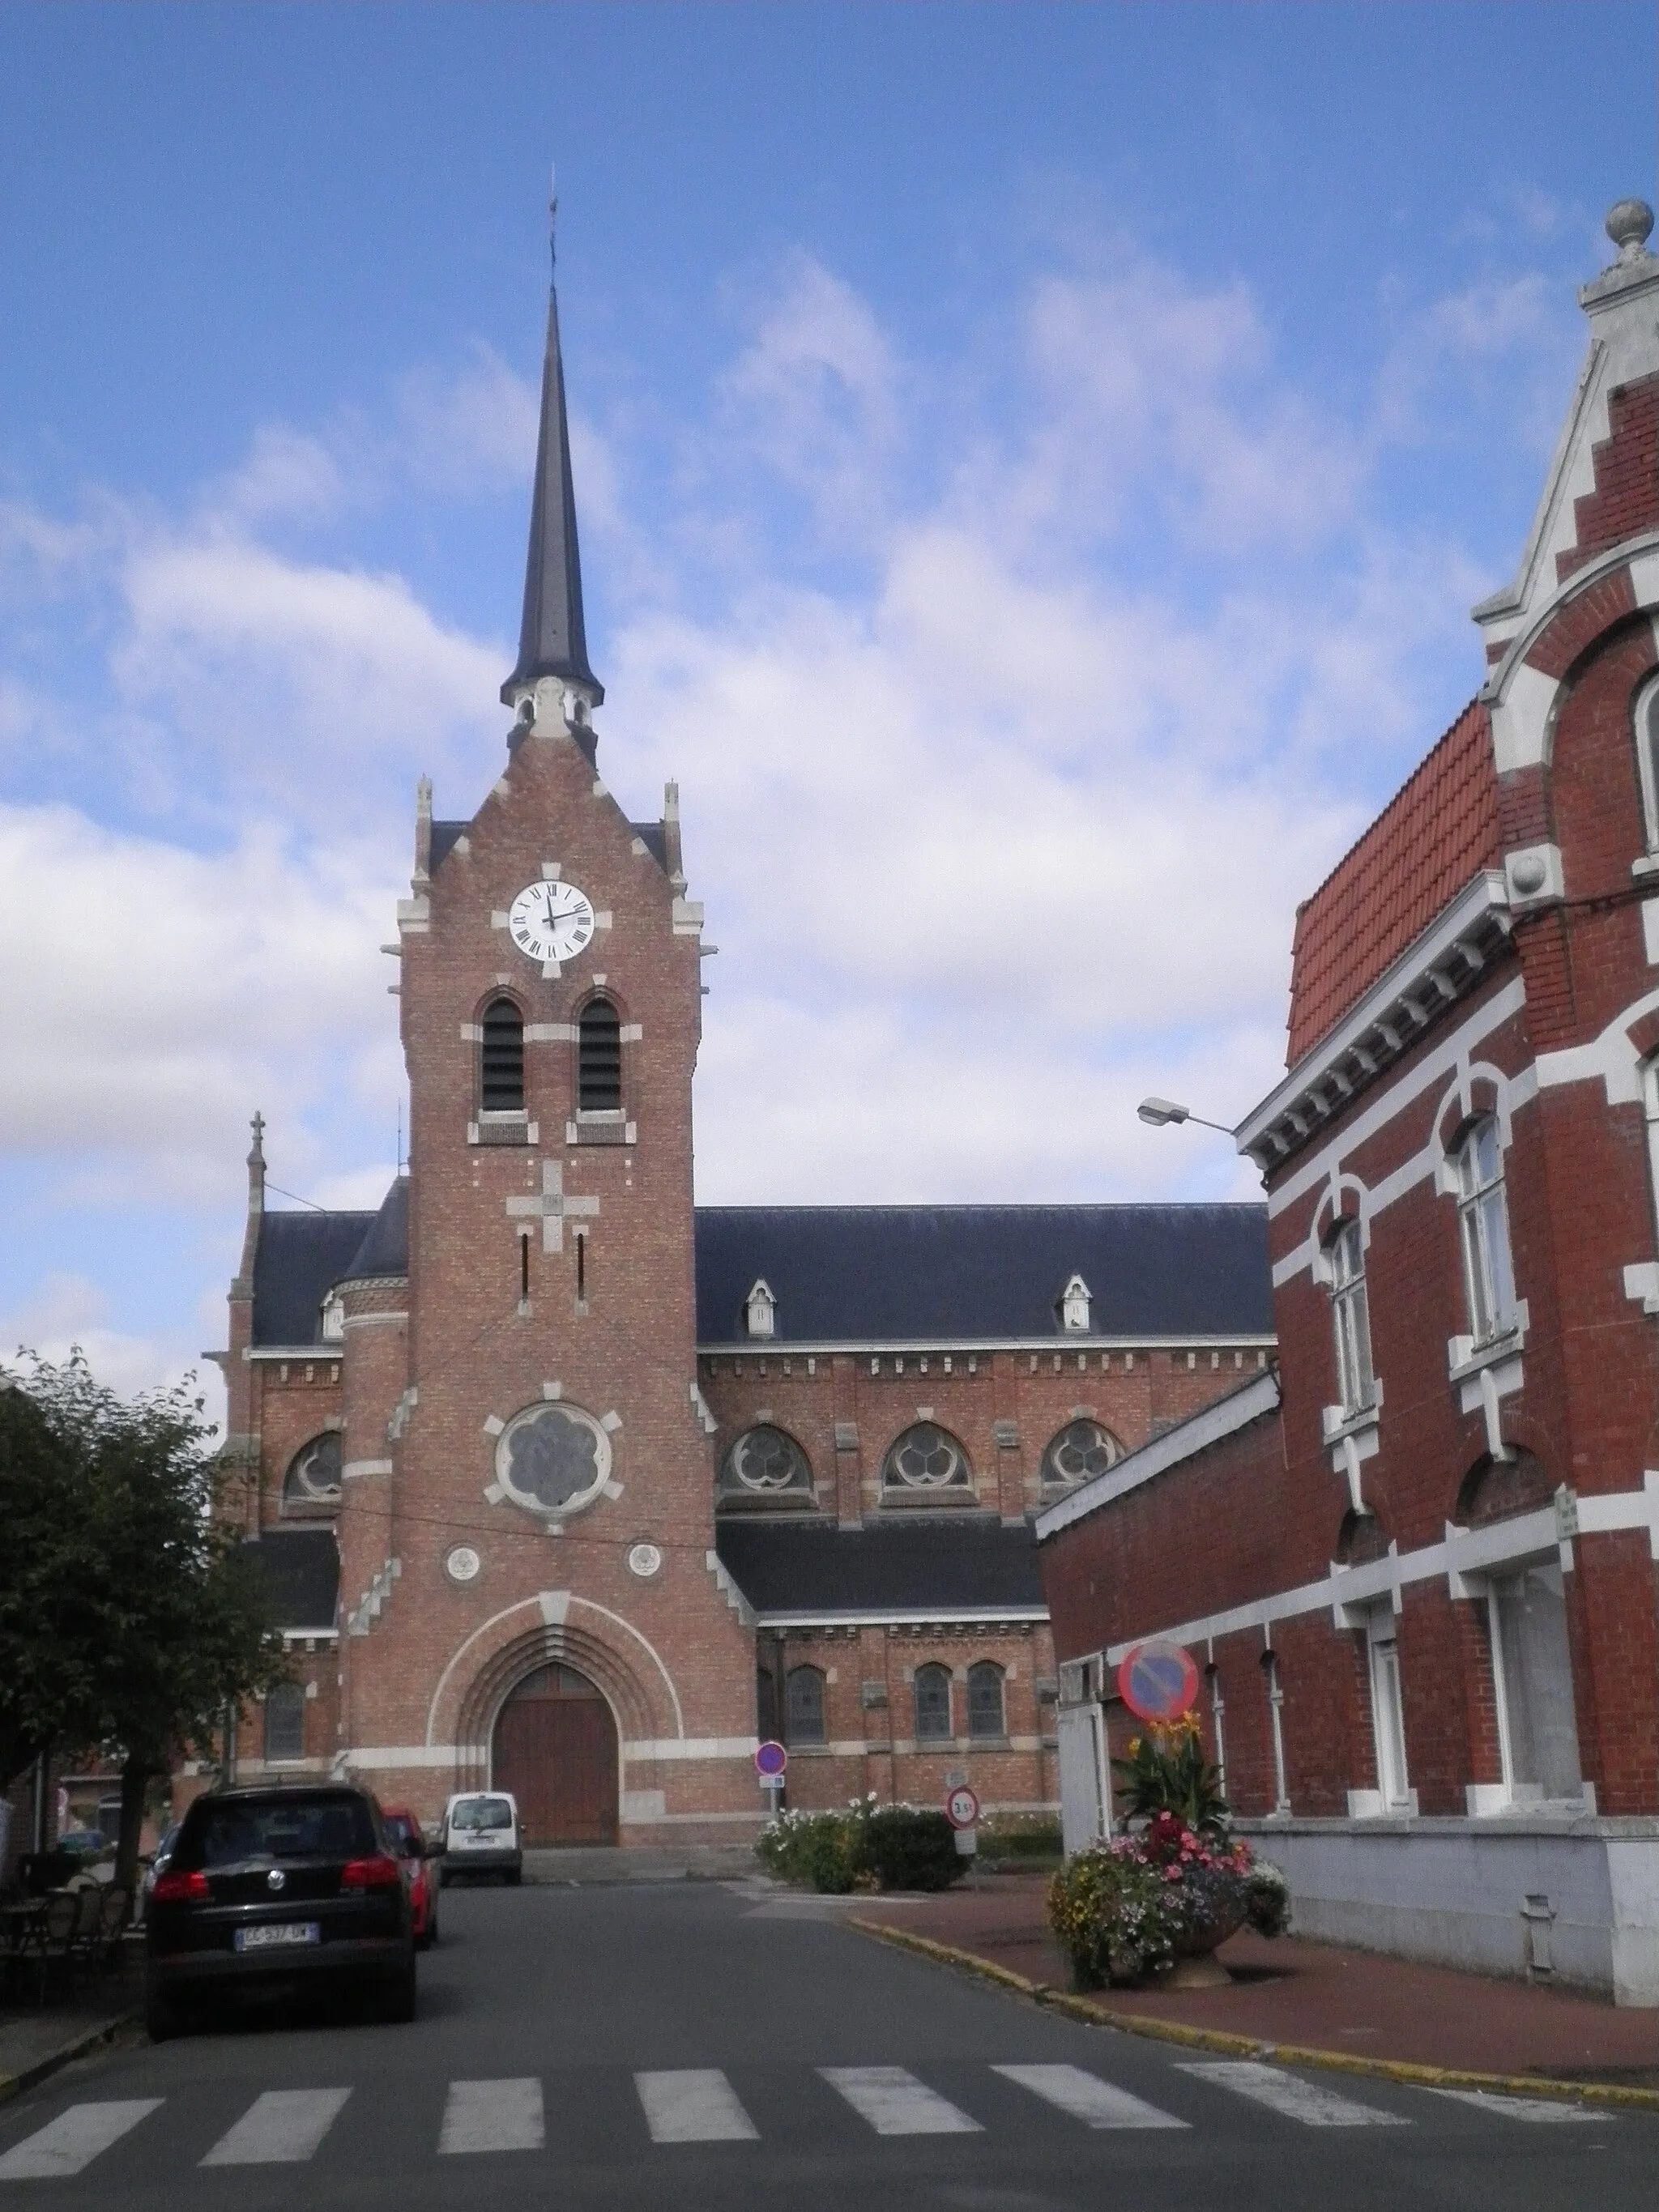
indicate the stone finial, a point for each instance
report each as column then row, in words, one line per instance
column 1629, row 225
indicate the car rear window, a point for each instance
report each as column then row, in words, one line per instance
column 482, row 1812
column 277, row 1828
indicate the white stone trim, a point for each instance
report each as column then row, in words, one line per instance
column 935, row 1616
column 781, row 1347
column 354, row 1467
column 380, row 1755
column 661, row 1747
column 541, row 1600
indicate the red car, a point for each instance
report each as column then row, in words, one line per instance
column 411, row 1846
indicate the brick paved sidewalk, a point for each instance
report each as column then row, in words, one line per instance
column 1313, row 1994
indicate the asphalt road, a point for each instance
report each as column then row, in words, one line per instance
column 699, row 2045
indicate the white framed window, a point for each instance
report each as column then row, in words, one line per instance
column 1651, row 1108
column 760, row 1310
column 1350, row 1319
column 1074, row 1304
column 1647, row 763
column 1483, row 1223
column 1532, row 1678
column 1388, row 1711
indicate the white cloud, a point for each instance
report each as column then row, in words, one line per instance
column 471, row 431
column 65, row 1312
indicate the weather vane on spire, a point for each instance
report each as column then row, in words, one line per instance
column 553, row 213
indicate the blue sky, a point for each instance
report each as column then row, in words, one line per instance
column 1058, row 444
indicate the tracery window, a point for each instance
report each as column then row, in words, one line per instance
column 553, row 1459
column 804, row 1701
column 985, row 1714
column 312, row 1484
column 1351, row 1317
column 933, row 1696
column 598, row 1059
column 925, row 1457
column 765, row 1459
column 1484, row 1232
column 1081, row 1449
column 501, row 1059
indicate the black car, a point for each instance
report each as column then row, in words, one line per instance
column 279, row 1885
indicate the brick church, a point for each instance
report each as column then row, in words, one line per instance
column 562, row 1484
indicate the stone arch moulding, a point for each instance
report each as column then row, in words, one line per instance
column 1345, row 1198
column 616, row 1657
column 1477, row 1090
column 1525, row 691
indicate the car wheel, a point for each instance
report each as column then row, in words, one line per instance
column 398, row 2002
column 163, row 2018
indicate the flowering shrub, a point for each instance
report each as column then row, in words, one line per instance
column 868, row 1846
column 1166, row 1772
column 1129, row 1908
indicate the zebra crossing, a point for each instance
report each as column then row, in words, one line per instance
column 289, row 2126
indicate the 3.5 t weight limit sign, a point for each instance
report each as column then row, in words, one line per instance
column 962, row 1808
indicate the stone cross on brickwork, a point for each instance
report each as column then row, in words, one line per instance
column 553, row 1207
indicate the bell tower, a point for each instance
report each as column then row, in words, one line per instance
column 538, row 1501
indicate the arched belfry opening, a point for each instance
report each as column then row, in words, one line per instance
column 555, row 1748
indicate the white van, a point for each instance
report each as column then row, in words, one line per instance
column 481, row 1835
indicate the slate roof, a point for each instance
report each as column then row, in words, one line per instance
column 385, row 1250
column 301, row 1258
column 1432, row 838
column 980, row 1274
column 931, row 1565
column 872, row 1274
column 300, row 1569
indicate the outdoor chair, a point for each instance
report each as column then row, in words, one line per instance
column 86, row 1938
column 116, row 1902
column 56, row 1938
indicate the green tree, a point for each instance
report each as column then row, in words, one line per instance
column 130, row 1614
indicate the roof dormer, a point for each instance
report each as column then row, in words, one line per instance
column 1074, row 1302
column 760, row 1310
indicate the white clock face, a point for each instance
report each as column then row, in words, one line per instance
column 550, row 921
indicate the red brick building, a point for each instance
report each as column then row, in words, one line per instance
column 562, row 1484
column 1418, row 1567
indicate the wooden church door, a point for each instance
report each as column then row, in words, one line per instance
column 555, row 1750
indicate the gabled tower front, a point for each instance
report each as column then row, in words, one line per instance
column 529, row 1579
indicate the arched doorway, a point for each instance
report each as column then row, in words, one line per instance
column 555, row 1750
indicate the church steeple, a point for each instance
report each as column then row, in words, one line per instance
column 552, row 640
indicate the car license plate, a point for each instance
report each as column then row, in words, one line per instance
column 279, row 1937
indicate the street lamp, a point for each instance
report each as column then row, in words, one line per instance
column 1159, row 1113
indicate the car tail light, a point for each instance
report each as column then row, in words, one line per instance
column 377, row 1873
column 181, row 1888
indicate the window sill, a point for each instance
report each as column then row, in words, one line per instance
column 1466, row 1359
column 502, row 1129
column 601, row 1129
column 1642, row 1284
column 897, row 1499
column 1488, row 1801
column 1372, row 1805
column 1338, row 1421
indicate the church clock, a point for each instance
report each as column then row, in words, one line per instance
column 551, row 920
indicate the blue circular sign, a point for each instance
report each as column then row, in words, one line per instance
column 770, row 1760
column 1158, row 1680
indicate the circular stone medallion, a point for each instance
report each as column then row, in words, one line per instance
column 644, row 1561
column 462, row 1563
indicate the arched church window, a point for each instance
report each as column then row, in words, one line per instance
column 804, row 1699
column 285, row 1722
column 933, row 1693
column 553, row 1459
column 766, row 1459
column 925, row 1457
column 500, row 1088
column 598, row 1059
column 313, row 1481
column 986, row 1715
column 1081, row 1449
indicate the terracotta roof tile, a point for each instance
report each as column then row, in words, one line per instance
column 1432, row 838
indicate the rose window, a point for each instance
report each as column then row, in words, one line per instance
column 1079, row 1451
column 314, row 1475
column 926, row 1458
column 767, row 1459
column 553, row 1459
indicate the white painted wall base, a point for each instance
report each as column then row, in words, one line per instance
column 1556, row 1900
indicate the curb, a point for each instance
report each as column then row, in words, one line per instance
column 13, row 2085
column 1247, row 2046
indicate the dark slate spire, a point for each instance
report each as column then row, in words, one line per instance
column 553, row 639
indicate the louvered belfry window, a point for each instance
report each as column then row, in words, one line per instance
column 598, row 1059
column 501, row 1085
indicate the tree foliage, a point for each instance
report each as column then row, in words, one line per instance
column 130, row 1616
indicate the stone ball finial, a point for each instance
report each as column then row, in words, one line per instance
column 1629, row 224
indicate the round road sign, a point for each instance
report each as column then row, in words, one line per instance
column 770, row 1760
column 962, row 1808
column 1158, row 1680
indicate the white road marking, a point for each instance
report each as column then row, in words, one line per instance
column 695, row 2104
column 493, row 2116
column 281, row 2127
column 896, row 2104
column 1314, row 2105
column 73, row 2140
column 1522, row 2108
column 1098, row 2104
